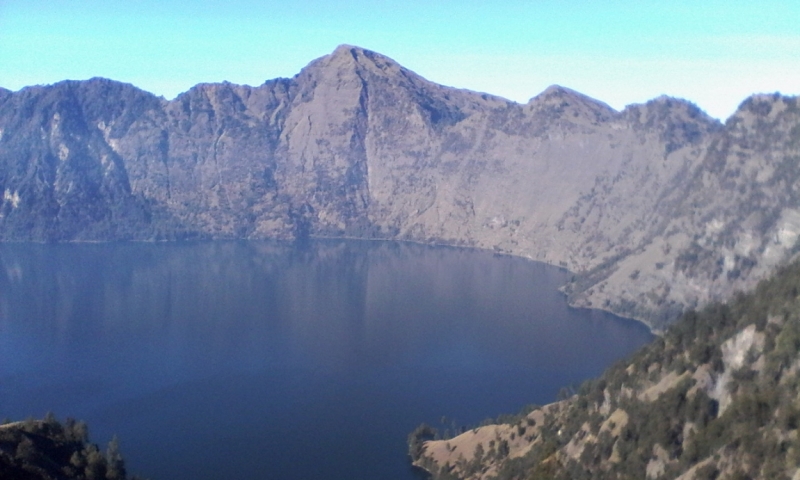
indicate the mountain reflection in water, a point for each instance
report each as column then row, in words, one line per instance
column 265, row 360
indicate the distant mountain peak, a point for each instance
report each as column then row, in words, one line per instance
column 665, row 101
column 558, row 90
column 562, row 99
column 665, row 110
column 346, row 49
column 350, row 57
column 345, row 54
column 672, row 101
column 762, row 104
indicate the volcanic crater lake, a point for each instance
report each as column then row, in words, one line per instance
column 253, row 360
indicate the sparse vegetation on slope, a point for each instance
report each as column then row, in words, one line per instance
column 717, row 397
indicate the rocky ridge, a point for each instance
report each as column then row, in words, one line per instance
column 654, row 209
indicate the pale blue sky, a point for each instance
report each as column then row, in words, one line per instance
column 713, row 53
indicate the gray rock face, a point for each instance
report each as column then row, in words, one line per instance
column 654, row 208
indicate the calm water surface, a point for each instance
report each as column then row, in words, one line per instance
column 258, row 360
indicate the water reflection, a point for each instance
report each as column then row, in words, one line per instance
column 255, row 344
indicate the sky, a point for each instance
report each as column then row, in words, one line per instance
column 713, row 53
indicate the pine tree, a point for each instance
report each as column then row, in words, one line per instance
column 116, row 465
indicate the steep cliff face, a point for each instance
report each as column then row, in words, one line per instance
column 356, row 145
column 60, row 179
column 722, row 225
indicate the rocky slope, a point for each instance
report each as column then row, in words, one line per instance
column 717, row 397
column 654, row 208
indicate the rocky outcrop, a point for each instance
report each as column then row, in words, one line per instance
column 355, row 145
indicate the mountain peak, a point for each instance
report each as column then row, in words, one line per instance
column 344, row 53
column 350, row 59
column 346, row 49
column 361, row 56
column 762, row 104
column 558, row 90
column 563, row 93
column 563, row 99
column 665, row 109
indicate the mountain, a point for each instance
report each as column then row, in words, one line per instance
column 654, row 209
column 716, row 397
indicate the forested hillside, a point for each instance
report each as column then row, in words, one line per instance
column 50, row 450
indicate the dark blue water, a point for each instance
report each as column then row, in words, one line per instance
column 258, row 360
